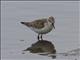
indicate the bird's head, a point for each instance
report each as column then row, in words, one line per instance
column 51, row 20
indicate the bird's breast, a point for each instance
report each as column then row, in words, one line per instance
column 47, row 28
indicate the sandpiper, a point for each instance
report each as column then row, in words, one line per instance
column 41, row 26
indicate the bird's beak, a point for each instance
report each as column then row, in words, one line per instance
column 53, row 25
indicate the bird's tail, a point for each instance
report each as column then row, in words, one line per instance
column 27, row 24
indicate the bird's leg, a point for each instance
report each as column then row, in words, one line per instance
column 38, row 36
column 41, row 37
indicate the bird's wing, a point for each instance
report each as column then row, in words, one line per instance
column 39, row 23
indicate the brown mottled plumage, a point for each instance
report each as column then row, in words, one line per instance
column 38, row 24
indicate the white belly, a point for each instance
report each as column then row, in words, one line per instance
column 46, row 29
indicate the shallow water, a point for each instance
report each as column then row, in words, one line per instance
column 16, row 37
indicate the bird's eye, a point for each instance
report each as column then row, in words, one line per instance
column 52, row 23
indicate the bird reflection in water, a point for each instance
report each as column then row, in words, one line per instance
column 42, row 47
